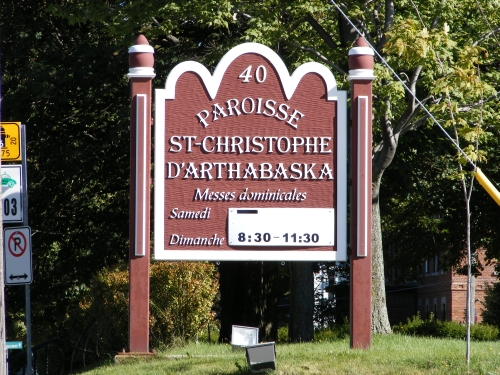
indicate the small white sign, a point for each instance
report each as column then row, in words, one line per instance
column 302, row 227
column 17, row 255
column 12, row 187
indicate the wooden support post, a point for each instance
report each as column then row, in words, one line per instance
column 141, row 74
column 361, row 77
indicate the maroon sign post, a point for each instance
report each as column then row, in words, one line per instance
column 141, row 73
column 361, row 77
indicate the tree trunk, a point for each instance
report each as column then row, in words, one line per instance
column 380, row 318
column 248, row 298
column 301, row 327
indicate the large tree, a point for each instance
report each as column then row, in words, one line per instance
column 67, row 84
column 445, row 52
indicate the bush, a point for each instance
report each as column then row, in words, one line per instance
column 182, row 296
column 484, row 332
column 283, row 334
column 450, row 330
column 434, row 328
column 105, row 309
column 333, row 332
column 417, row 326
column 181, row 300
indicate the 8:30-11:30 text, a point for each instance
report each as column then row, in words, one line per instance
column 266, row 237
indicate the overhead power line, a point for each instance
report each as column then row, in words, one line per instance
column 483, row 180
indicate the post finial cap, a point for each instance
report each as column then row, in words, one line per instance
column 361, row 55
column 140, row 55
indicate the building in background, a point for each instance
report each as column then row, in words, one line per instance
column 442, row 293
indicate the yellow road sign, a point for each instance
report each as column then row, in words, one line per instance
column 10, row 140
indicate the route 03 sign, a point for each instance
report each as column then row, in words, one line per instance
column 251, row 161
column 12, row 194
column 10, row 141
column 17, row 256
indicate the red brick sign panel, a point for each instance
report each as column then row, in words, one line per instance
column 250, row 162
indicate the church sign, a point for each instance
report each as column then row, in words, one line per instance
column 250, row 162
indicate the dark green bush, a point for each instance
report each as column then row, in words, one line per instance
column 450, row 330
column 491, row 312
column 416, row 326
column 333, row 332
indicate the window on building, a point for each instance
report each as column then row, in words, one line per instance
column 443, row 308
column 426, row 308
column 426, row 266
column 435, row 307
column 436, row 263
column 419, row 306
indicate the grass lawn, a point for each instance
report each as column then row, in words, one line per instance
column 390, row 354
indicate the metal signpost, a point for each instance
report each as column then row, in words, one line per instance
column 17, row 240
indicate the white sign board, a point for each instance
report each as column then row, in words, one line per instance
column 17, row 255
column 12, row 189
column 281, row 226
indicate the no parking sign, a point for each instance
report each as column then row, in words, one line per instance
column 17, row 255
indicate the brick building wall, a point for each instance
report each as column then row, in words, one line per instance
column 459, row 289
column 442, row 293
column 434, row 295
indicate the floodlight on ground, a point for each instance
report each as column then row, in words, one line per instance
column 244, row 336
column 261, row 357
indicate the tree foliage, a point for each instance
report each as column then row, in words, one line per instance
column 55, row 51
column 491, row 312
column 74, row 103
column 182, row 296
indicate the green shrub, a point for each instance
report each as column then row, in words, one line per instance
column 484, row 332
column 211, row 333
column 181, row 299
column 283, row 334
column 451, row 330
column 182, row 296
column 105, row 309
column 333, row 332
column 416, row 326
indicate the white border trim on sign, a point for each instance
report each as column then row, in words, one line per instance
column 362, row 225
column 140, row 174
column 212, row 83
